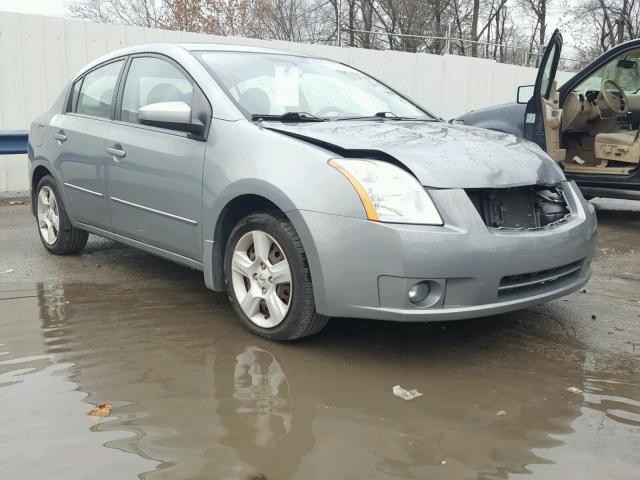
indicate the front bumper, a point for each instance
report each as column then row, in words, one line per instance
column 363, row 269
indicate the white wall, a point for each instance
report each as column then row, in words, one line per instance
column 38, row 55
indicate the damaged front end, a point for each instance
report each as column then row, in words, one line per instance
column 520, row 208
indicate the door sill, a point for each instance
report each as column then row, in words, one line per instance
column 174, row 257
column 599, row 170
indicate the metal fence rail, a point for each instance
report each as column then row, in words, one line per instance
column 441, row 45
column 13, row 142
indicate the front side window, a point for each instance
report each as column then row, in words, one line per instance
column 545, row 86
column 96, row 95
column 274, row 84
column 152, row 80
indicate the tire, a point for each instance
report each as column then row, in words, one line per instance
column 66, row 239
column 246, row 274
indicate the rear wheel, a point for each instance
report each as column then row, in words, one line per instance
column 55, row 229
column 269, row 280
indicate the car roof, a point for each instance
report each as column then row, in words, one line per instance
column 225, row 47
column 176, row 48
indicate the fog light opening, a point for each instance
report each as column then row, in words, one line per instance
column 419, row 292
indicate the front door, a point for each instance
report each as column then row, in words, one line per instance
column 541, row 104
column 79, row 135
column 154, row 174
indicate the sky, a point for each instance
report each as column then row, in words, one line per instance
column 38, row 7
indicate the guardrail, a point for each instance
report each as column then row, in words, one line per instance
column 13, row 142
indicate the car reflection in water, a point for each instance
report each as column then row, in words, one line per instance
column 195, row 396
column 263, row 396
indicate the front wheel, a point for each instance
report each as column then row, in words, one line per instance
column 54, row 226
column 269, row 280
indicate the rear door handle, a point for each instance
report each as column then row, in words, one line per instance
column 60, row 137
column 117, row 152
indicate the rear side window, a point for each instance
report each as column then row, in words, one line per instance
column 153, row 80
column 97, row 91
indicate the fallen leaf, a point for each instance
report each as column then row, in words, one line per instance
column 101, row 410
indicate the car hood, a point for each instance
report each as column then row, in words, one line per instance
column 439, row 154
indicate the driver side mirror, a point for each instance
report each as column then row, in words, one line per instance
column 170, row 115
column 525, row 92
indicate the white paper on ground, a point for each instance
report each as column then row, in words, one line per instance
column 398, row 391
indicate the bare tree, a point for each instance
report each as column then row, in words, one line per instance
column 476, row 27
column 219, row 17
column 603, row 25
column 144, row 13
column 534, row 22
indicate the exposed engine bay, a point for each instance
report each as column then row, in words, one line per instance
column 521, row 207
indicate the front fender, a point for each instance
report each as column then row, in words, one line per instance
column 244, row 159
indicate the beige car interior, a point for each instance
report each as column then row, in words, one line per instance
column 586, row 136
column 552, row 117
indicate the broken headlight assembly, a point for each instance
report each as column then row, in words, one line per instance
column 387, row 192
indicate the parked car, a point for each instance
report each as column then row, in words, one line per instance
column 589, row 125
column 305, row 188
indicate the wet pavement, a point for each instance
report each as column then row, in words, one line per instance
column 552, row 392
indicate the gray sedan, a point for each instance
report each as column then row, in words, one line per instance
column 304, row 188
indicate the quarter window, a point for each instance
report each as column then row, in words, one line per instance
column 97, row 91
column 152, row 80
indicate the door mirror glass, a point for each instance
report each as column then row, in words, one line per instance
column 525, row 92
column 171, row 115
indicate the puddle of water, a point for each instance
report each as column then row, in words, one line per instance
column 195, row 396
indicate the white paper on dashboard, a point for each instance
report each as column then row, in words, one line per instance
column 287, row 86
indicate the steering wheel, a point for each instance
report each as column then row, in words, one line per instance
column 617, row 101
column 328, row 109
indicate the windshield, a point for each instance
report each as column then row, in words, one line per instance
column 274, row 84
column 622, row 69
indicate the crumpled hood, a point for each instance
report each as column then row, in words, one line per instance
column 439, row 154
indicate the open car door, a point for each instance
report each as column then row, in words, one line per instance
column 543, row 115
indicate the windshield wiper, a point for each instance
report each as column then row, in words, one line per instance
column 287, row 117
column 387, row 116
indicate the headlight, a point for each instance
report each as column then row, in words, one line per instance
column 388, row 193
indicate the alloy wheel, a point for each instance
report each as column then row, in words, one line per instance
column 48, row 215
column 261, row 279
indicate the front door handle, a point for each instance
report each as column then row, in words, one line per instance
column 117, row 152
column 60, row 137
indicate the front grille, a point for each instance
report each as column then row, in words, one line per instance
column 521, row 207
column 543, row 279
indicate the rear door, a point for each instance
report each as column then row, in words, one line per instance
column 79, row 136
column 534, row 125
column 155, row 174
